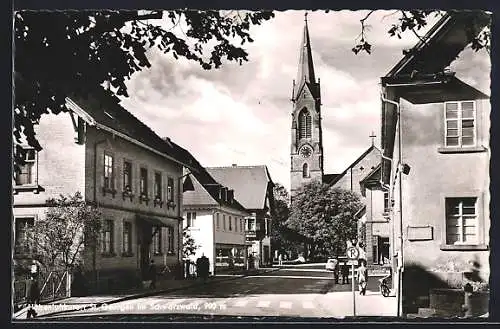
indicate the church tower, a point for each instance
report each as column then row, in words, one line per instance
column 307, row 141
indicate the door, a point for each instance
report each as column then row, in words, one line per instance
column 266, row 255
column 144, row 239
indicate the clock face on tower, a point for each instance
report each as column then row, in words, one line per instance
column 306, row 151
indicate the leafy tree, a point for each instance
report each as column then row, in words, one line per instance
column 413, row 21
column 69, row 227
column 283, row 238
column 61, row 52
column 325, row 216
column 189, row 245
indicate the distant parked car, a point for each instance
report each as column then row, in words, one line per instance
column 330, row 264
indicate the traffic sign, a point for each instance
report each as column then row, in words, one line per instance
column 352, row 253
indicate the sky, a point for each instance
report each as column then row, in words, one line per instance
column 242, row 114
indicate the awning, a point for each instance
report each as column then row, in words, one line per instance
column 152, row 220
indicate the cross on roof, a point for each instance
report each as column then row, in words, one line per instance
column 372, row 136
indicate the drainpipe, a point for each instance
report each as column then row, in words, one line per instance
column 180, row 219
column 94, row 251
column 400, row 174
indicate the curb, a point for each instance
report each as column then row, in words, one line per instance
column 153, row 293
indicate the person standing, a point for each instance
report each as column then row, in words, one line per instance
column 33, row 296
column 280, row 259
column 344, row 271
column 152, row 274
column 205, row 267
column 362, row 279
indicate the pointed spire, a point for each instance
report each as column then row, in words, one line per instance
column 306, row 67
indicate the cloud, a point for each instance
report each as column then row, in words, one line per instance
column 242, row 114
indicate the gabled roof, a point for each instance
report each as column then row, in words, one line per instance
column 250, row 183
column 442, row 43
column 104, row 110
column 361, row 157
column 373, row 178
column 199, row 196
column 206, row 188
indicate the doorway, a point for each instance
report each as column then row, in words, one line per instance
column 144, row 241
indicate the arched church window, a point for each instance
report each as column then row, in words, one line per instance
column 304, row 124
column 305, row 170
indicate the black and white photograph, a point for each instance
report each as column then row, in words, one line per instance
column 182, row 165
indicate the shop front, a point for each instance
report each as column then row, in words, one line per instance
column 230, row 257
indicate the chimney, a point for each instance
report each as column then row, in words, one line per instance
column 235, row 165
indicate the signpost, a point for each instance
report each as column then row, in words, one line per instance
column 352, row 255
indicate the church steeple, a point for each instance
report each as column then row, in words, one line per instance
column 305, row 72
column 306, row 150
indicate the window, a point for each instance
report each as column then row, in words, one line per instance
column 127, row 238
column 241, row 225
column 190, row 219
column 27, row 174
column 460, row 124
column 235, row 224
column 21, row 240
column 305, row 170
column 157, row 187
column 127, row 176
column 461, row 221
column 217, row 222
column 107, row 237
column 108, row 172
column 386, row 202
column 156, row 240
column 230, row 223
column 144, row 182
column 304, row 124
column 170, row 189
column 224, row 222
column 170, row 235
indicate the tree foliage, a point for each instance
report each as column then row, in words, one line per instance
column 189, row 245
column 59, row 52
column 283, row 238
column 61, row 237
column 414, row 21
column 325, row 216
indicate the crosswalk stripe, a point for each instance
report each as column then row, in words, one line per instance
column 307, row 304
column 263, row 303
column 286, row 305
column 241, row 303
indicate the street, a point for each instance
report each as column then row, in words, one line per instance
column 292, row 292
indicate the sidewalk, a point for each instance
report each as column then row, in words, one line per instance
column 164, row 286
column 373, row 304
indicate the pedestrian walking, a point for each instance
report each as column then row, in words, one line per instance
column 204, row 267
column 336, row 270
column 280, row 260
column 362, row 279
column 344, row 271
column 152, row 274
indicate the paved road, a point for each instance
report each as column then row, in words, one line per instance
column 283, row 293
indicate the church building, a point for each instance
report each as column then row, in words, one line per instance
column 307, row 154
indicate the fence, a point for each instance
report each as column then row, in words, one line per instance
column 53, row 285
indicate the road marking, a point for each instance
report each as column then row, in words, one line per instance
column 263, row 303
column 290, row 277
column 305, row 270
column 241, row 303
column 286, row 305
column 307, row 304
